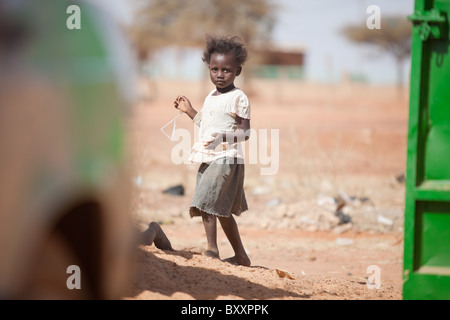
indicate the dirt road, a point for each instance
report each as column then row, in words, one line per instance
column 345, row 142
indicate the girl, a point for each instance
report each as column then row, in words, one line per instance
column 224, row 122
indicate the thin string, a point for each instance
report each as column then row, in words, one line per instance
column 174, row 120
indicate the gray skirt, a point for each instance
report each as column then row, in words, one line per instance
column 219, row 189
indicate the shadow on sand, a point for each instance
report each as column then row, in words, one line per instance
column 166, row 277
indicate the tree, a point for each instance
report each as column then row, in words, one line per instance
column 160, row 23
column 394, row 37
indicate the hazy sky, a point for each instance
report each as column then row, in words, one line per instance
column 315, row 26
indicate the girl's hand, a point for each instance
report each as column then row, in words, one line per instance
column 217, row 138
column 183, row 104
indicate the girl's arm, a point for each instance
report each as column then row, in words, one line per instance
column 183, row 104
column 242, row 133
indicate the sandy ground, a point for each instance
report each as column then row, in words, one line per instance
column 343, row 142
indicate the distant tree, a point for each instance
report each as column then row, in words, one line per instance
column 394, row 37
column 159, row 23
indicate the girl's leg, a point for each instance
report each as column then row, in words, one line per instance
column 230, row 228
column 210, row 225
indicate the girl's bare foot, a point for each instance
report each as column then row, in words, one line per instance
column 240, row 261
column 211, row 253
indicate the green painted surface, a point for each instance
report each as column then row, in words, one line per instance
column 433, row 234
column 278, row 72
column 427, row 200
column 79, row 61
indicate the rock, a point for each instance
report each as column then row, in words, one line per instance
column 154, row 234
column 312, row 228
column 325, row 200
column 280, row 211
column 344, row 196
column 293, row 210
column 177, row 190
column 273, row 202
column 264, row 223
column 343, row 218
column 326, row 186
column 261, row 190
column 284, row 224
column 342, row 228
column 284, row 274
column 384, row 220
column 138, row 181
column 307, row 220
column 344, row 241
column 400, row 178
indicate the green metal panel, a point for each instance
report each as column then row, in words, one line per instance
column 266, row 71
column 278, row 72
column 427, row 201
column 80, row 62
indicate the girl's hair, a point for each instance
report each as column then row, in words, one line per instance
column 225, row 45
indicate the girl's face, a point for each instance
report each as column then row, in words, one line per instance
column 223, row 69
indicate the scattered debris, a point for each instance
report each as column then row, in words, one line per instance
column 261, row 190
column 342, row 228
column 273, row 202
column 344, row 241
column 343, row 218
column 341, row 201
column 177, row 190
column 400, row 178
column 284, row 274
column 343, row 197
column 323, row 200
column 138, row 181
column 347, row 272
column 384, row 220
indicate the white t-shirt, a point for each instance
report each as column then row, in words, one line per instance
column 219, row 115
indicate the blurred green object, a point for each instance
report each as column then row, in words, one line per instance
column 426, row 271
column 64, row 188
column 278, row 72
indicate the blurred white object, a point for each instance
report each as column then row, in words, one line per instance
column 384, row 220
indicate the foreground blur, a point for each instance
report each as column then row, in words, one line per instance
column 64, row 193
